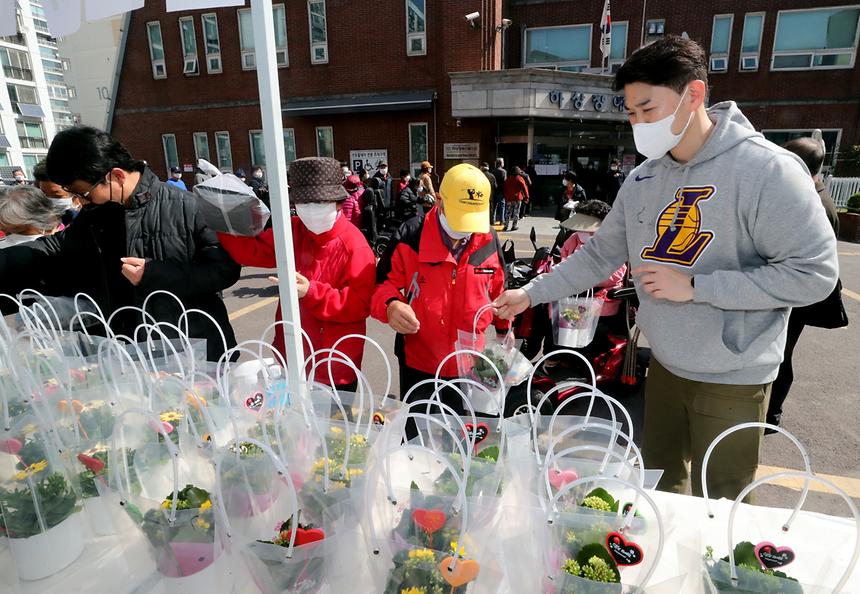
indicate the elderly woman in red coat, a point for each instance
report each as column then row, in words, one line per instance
column 335, row 268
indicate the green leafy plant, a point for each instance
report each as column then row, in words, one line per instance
column 97, row 420
column 96, row 469
column 854, row 203
column 188, row 527
column 57, row 501
column 753, row 578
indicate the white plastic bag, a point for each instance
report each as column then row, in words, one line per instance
column 230, row 206
column 574, row 320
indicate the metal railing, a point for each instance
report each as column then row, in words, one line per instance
column 842, row 188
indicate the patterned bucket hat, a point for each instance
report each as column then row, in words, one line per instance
column 316, row 179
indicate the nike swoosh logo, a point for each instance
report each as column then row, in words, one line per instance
column 638, row 178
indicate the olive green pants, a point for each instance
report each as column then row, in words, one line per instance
column 683, row 417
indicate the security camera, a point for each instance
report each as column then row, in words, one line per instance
column 504, row 25
column 473, row 17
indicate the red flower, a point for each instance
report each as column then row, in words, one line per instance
column 94, row 465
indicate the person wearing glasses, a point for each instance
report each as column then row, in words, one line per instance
column 134, row 235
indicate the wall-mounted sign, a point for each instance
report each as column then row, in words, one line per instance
column 367, row 159
column 580, row 101
column 461, row 150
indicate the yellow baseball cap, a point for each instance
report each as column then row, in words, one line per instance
column 465, row 192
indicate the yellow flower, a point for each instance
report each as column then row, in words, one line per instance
column 454, row 549
column 336, row 430
column 171, row 416
column 413, row 591
column 422, row 555
column 206, row 505
column 203, row 524
column 166, row 504
column 29, row 429
column 34, row 468
column 358, row 440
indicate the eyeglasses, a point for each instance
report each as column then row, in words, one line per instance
column 85, row 195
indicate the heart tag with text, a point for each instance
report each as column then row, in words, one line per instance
column 480, row 431
column 254, row 402
column 771, row 556
column 378, row 418
column 625, row 552
column 461, row 573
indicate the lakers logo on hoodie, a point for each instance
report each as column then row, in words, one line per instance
column 680, row 239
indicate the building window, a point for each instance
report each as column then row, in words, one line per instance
column 417, row 146
column 20, row 96
column 325, row 141
column 832, row 140
column 31, row 135
column 560, row 48
column 246, row 37
column 258, row 149
column 290, row 145
column 721, row 42
column 654, row 30
column 156, row 50
column 171, row 155
column 4, row 159
column 30, row 162
column 751, row 42
column 16, row 64
column 224, row 152
column 416, row 28
column 618, row 49
column 201, row 146
column 815, row 39
column 213, row 43
column 319, row 34
column 190, row 65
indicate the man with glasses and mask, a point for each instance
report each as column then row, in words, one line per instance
column 134, row 235
column 709, row 224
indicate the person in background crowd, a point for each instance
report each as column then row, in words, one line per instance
column 346, row 170
column 718, row 264
column 176, row 179
column 63, row 201
column 569, row 197
column 240, row 173
column 363, row 175
column 498, row 206
column 256, row 183
column 829, row 313
column 534, row 193
column 408, row 201
column 588, row 179
column 374, row 207
column 384, row 176
column 26, row 214
column 425, row 189
column 525, row 205
column 353, row 206
column 516, row 192
column 403, row 182
column 614, row 180
column 18, row 178
column 134, row 235
column 485, row 167
column 439, row 269
column 335, row 268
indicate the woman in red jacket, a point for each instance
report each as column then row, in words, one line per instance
column 335, row 268
column 516, row 192
column 353, row 206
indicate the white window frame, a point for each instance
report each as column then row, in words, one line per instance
column 317, row 138
column 584, row 64
column 190, row 62
column 256, row 162
column 724, row 56
column 835, row 149
column 161, row 63
column 422, row 35
column 618, row 62
column 652, row 37
column 218, row 151
column 164, row 138
column 319, row 44
column 813, row 53
column 197, row 136
column 249, row 57
column 211, row 56
column 757, row 54
column 416, row 165
column 26, row 141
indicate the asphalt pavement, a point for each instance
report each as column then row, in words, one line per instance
column 822, row 411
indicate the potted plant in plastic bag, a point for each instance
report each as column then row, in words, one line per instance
column 753, row 577
column 260, row 478
column 289, row 568
column 93, row 485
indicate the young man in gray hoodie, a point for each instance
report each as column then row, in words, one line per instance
column 725, row 233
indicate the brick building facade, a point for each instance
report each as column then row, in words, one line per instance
column 381, row 78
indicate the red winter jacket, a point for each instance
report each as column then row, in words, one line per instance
column 353, row 207
column 516, row 189
column 341, row 269
column 450, row 292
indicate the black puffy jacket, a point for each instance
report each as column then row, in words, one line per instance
column 161, row 224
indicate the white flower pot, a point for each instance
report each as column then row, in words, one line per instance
column 217, row 578
column 98, row 514
column 50, row 552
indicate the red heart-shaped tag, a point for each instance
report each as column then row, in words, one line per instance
column 304, row 537
column 559, row 478
column 429, row 520
column 480, row 431
column 11, row 446
column 93, row 464
column 771, row 556
column 625, row 552
column 254, row 402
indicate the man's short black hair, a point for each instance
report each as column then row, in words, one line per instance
column 87, row 154
column 810, row 152
column 17, row 169
column 670, row 61
column 40, row 172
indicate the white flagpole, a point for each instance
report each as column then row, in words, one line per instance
column 276, row 172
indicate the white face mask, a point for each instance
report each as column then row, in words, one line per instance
column 656, row 139
column 318, row 217
column 258, row 174
column 177, row 176
column 64, row 203
column 455, row 235
column 407, row 178
column 19, row 178
column 383, row 171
